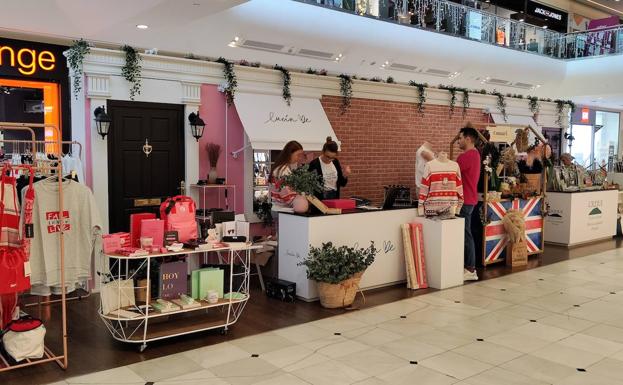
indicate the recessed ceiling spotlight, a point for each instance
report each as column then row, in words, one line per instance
column 544, row 27
column 234, row 43
column 142, row 26
column 386, row 63
column 340, row 55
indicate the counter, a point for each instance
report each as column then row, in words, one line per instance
column 576, row 218
column 297, row 233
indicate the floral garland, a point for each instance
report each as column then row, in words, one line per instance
column 230, row 77
column 346, row 89
column 390, row 80
column 421, row 94
column 75, row 57
column 533, row 103
column 452, row 91
column 131, row 70
column 560, row 109
column 501, row 103
column 287, row 95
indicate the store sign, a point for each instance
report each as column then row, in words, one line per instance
column 550, row 14
column 547, row 13
column 274, row 117
column 25, row 59
column 502, row 134
column 585, row 115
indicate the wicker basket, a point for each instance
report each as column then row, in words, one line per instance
column 339, row 294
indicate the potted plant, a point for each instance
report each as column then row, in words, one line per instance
column 338, row 271
column 214, row 152
column 303, row 182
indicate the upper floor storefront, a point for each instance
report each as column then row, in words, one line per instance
column 520, row 25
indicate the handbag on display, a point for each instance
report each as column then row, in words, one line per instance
column 24, row 339
column 14, row 277
column 179, row 215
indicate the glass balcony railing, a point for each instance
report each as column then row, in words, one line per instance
column 474, row 24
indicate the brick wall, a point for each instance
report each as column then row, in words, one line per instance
column 379, row 140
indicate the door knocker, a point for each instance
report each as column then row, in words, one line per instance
column 147, row 148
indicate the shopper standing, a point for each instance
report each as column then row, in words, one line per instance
column 469, row 163
column 288, row 159
column 329, row 168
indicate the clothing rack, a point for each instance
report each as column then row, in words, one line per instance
column 46, row 142
column 49, row 356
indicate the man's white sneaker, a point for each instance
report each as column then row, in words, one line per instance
column 470, row 275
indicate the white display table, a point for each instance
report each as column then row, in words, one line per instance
column 443, row 251
column 581, row 217
column 297, row 233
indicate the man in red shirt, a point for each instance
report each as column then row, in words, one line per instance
column 469, row 163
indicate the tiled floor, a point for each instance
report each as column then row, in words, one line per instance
column 558, row 324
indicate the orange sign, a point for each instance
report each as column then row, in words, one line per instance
column 585, row 115
column 27, row 61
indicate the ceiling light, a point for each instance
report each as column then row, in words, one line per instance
column 544, row 27
column 340, row 55
column 386, row 63
column 234, row 43
column 142, row 26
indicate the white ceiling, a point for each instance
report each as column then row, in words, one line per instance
column 611, row 6
column 205, row 27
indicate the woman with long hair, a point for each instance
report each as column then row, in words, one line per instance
column 288, row 160
column 328, row 167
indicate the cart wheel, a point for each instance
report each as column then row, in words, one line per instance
column 142, row 348
column 224, row 331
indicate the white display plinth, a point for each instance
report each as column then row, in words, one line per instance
column 297, row 233
column 443, row 251
column 581, row 217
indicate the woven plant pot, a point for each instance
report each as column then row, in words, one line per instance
column 339, row 294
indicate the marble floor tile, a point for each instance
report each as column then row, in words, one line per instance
column 406, row 327
column 417, row 374
column 488, row 353
column 288, row 356
column 609, row 368
column 371, row 316
column 202, row 377
column 339, row 324
column 498, row 322
column 455, row 365
column 567, row 322
column 214, row 355
column 376, row 336
column 330, row 373
column 564, row 355
column 303, row 333
column 411, row 349
column 246, row 371
column 165, row 367
column 499, row 376
column 436, row 316
column 373, row 362
column 542, row 331
column 443, row 339
column 525, row 312
column 262, row 343
column 588, row 378
column 592, row 344
column 605, row 332
column 341, row 349
column 283, row 379
column 519, row 342
column 122, row 375
column 538, row 368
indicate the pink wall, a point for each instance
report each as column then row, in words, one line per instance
column 212, row 111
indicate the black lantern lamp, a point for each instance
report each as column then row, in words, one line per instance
column 102, row 121
column 197, row 125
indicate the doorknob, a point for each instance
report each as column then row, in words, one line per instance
column 147, row 148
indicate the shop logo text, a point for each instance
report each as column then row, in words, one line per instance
column 275, row 118
column 27, row 61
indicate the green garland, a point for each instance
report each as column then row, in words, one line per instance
column 465, row 100
column 452, row 91
column 390, row 80
column 421, row 94
column 131, row 70
column 346, row 90
column 560, row 110
column 287, row 95
column 501, row 104
column 230, row 77
column 533, row 103
column 75, row 58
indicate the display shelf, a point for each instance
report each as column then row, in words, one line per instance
column 152, row 325
column 204, row 305
column 204, row 188
column 179, row 327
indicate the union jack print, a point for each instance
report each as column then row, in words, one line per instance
column 495, row 235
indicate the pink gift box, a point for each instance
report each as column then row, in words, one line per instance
column 344, row 204
column 153, row 228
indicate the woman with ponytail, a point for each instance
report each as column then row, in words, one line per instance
column 329, row 168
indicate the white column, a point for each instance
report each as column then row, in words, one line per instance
column 191, row 97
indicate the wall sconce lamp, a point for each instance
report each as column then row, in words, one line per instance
column 102, row 121
column 197, row 125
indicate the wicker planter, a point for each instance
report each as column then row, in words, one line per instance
column 339, row 294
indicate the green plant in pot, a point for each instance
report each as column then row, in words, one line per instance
column 338, row 271
column 214, row 152
column 303, row 182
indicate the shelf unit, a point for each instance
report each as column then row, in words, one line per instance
column 205, row 188
column 261, row 169
column 207, row 316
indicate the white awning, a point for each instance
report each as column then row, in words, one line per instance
column 270, row 123
column 518, row 121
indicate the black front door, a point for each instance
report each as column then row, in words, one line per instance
column 138, row 181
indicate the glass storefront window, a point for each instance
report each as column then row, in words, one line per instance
column 582, row 145
column 606, row 143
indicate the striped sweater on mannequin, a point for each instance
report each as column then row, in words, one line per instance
column 441, row 194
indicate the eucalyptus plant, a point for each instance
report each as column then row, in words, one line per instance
column 230, row 77
column 304, row 181
column 331, row 264
column 346, row 90
column 421, row 94
column 287, row 95
column 75, row 58
column 131, row 70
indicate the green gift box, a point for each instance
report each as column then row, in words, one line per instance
column 204, row 280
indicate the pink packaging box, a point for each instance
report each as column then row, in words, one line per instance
column 344, row 204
